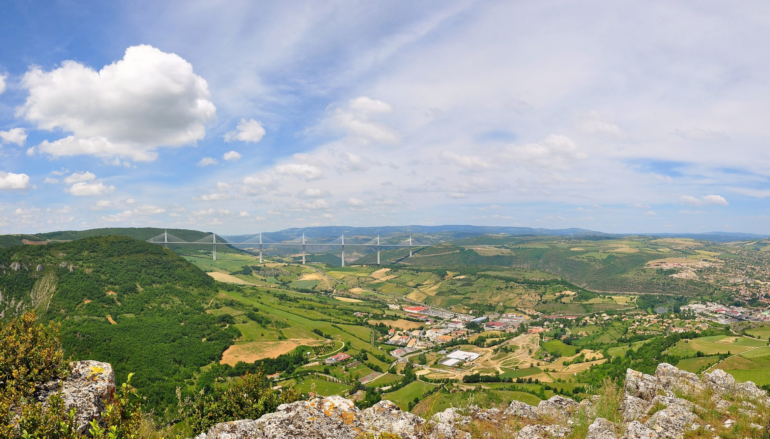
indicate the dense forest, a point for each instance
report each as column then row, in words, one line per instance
column 133, row 304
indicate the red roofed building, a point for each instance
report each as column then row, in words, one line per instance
column 338, row 358
column 417, row 309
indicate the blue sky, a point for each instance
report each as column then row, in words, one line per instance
column 242, row 117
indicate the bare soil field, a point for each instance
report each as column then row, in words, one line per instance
column 382, row 275
column 433, row 289
column 257, row 350
column 491, row 251
column 417, row 296
column 312, row 276
column 347, row 299
column 227, row 278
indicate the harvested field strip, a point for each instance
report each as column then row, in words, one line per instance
column 227, row 278
column 257, row 350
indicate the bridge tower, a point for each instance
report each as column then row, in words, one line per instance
column 165, row 238
column 378, row 249
column 410, row 246
column 260, row 248
column 303, row 249
column 214, row 240
column 343, row 249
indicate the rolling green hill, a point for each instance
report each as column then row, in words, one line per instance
column 140, row 233
column 599, row 263
column 127, row 302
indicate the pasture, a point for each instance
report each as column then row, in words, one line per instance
column 403, row 396
column 717, row 344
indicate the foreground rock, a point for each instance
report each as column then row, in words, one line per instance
column 653, row 407
column 320, row 418
column 650, row 408
column 88, row 389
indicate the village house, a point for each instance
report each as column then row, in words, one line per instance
column 338, row 358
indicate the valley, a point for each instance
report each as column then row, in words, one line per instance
column 482, row 320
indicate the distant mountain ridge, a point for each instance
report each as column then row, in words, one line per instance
column 710, row 236
column 443, row 232
column 424, row 234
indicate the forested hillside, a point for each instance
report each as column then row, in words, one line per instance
column 140, row 233
column 136, row 305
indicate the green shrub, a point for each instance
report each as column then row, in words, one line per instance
column 247, row 398
column 31, row 354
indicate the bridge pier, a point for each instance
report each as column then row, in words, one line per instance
column 215, row 246
column 343, row 250
column 303, row 249
column 378, row 249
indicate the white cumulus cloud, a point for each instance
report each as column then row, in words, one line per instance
column 214, row 197
column 302, row 170
column 369, row 105
column 206, row 161
column 232, row 156
column 2, row 83
column 555, row 151
column 80, row 176
column 312, row 193
column 594, row 124
column 704, row 200
column 86, row 189
column 102, row 204
column 14, row 135
column 358, row 124
column 13, row 182
column 127, row 109
column 247, row 131
column 258, row 184
column 466, row 162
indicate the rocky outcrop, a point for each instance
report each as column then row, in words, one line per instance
column 650, row 408
column 637, row 430
column 601, row 429
column 634, row 408
column 386, row 416
column 670, row 379
column 672, row 422
column 446, row 423
column 640, row 385
column 719, row 381
column 521, row 410
column 542, row 432
column 556, row 407
column 88, row 389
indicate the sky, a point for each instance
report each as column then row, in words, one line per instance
column 241, row 117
